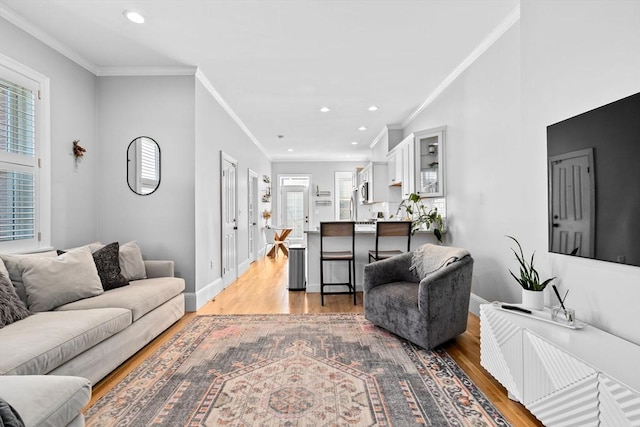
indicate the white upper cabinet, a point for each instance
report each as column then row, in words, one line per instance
column 429, row 162
column 416, row 164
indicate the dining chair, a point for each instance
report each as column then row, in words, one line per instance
column 342, row 237
column 387, row 229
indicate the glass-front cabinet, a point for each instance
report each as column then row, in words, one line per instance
column 429, row 162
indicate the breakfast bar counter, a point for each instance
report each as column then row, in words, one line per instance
column 365, row 240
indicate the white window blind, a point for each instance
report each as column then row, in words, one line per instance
column 17, row 161
column 149, row 166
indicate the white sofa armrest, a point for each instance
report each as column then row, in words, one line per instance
column 159, row 268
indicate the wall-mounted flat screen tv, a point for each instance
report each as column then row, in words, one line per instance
column 594, row 183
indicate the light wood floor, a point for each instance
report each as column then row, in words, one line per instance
column 263, row 290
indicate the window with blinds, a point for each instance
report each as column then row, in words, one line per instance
column 18, row 163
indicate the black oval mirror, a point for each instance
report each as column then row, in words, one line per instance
column 143, row 165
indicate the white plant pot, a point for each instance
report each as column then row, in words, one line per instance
column 533, row 300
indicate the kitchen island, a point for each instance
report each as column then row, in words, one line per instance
column 365, row 240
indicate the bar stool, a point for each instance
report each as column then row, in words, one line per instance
column 390, row 229
column 338, row 229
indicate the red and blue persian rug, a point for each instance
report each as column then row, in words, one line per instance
column 293, row 370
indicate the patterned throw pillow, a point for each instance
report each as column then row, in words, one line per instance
column 107, row 262
column 11, row 308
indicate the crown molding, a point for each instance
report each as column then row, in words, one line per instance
column 47, row 39
column 321, row 159
column 486, row 43
column 212, row 90
column 146, row 71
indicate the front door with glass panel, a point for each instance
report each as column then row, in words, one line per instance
column 294, row 212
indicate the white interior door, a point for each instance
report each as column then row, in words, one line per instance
column 572, row 203
column 295, row 211
column 229, row 219
column 252, row 215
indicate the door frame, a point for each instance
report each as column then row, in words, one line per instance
column 279, row 193
column 224, row 157
column 252, row 217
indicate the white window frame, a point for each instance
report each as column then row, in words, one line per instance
column 16, row 72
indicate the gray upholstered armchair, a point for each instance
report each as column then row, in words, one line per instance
column 427, row 310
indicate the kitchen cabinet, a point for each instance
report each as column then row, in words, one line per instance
column 429, row 162
column 418, row 164
column 408, row 167
column 394, row 167
column 374, row 178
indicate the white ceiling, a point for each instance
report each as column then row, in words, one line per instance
column 276, row 63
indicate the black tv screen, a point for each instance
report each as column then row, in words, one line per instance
column 594, row 183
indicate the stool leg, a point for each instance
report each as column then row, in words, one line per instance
column 321, row 282
column 353, row 266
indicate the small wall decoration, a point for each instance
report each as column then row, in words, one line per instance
column 266, row 214
column 78, row 150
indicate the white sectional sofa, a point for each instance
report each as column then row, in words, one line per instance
column 78, row 343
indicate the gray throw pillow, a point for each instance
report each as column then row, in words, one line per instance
column 131, row 263
column 52, row 282
column 11, row 308
column 11, row 264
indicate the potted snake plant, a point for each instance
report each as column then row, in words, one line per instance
column 529, row 280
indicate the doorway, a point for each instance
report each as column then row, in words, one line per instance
column 229, row 215
column 294, row 205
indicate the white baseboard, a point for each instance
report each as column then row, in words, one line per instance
column 474, row 304
column 243, row 267
column 194, row 301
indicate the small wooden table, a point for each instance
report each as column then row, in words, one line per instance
column 280, row 236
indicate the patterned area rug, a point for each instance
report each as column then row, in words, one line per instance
column 293, row 370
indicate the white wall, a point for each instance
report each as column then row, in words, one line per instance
column 577, row 56
column 483, row 155
column 73, row 116
column 563, row 58
column 162, row 108
column 216, row 131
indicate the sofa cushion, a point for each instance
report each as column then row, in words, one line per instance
column 11, row 308
column 141, row 296
column 44, row 341
column 51, row 282
column 46, row 400
column 11, row 264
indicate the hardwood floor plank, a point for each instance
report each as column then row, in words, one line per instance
column 263, row 290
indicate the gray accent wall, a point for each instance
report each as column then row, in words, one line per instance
column 163, row 223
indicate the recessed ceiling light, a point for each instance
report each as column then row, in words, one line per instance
column 325, row 109
column 290, row 149
column 354, row 142
column 362, row 128
column 372, row 108
column 133, row 16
